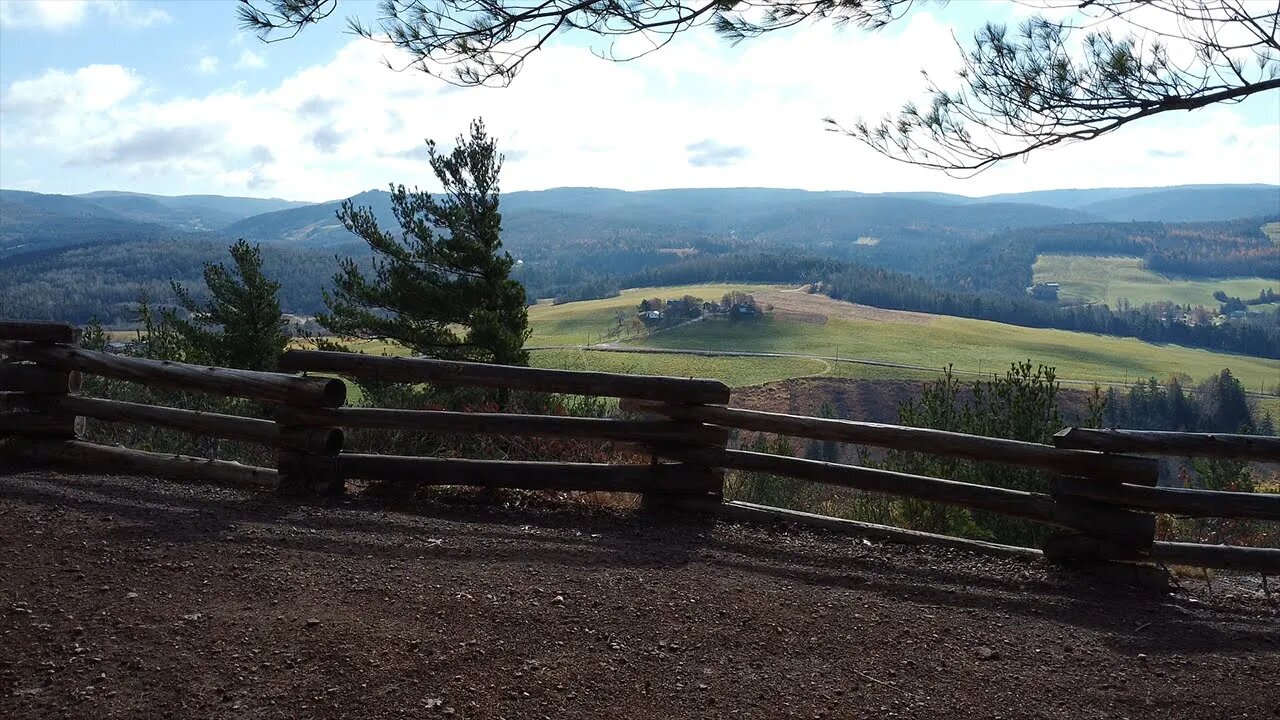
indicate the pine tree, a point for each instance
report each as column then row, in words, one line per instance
column 443, row 288
column 241, row 324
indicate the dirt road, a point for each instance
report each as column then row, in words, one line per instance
column 132, row 598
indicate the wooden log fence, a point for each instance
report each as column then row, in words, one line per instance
column 22, row 380
column 1102, row 493
column 41, row 406
column 1185, row 502
column 655, row 480
column 454, row 423
column 446, row 372
column 260, row 386
column 897, row 437
column 100, row 459
column 38, row 331
column 195, row 422
column 662, row 478
column 35, row 380
column 1103, row 499
column 1142, row 442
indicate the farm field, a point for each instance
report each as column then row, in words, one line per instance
column 972, row 345
column 817, row 325
column 732, row 371
column 1095, row 278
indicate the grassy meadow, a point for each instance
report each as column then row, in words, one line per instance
column 732, row 371
column 971, row 345
column 820, row 326
column 1094, row 278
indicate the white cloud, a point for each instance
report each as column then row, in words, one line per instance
column 208, row 65
column 48, row 14
column 92, row 89
column 695, row 114
column 250, row 59
column 64, row 14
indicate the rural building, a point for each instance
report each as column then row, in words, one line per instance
column 1044, row 291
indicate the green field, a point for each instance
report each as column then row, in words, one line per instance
column 927, row 341
column 1093, row 278
column 732, row 371
column 972, row 345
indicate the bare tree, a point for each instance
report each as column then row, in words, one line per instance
column 1045, row 82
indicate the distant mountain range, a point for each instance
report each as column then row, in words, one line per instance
column 743, row 213
column 74, row 257
column 186, row 212
column 779, row 219
column 35, row 222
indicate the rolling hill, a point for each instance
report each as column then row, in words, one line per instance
column 186, row 212
column 1191, row 204
column 1183, row 203
column 33, row 223
column 772, row 219
column 809, row 333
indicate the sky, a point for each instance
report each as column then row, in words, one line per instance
column 173, row 98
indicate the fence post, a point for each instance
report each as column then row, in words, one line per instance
column 706, row 485
column 308, row 459
column 1124, row 535
column 25, row 388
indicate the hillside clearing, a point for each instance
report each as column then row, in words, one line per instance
column 934, row 341
column 573, row 323
column 1094, row 278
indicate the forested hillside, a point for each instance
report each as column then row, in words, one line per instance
column 74, row 257
column 191, row 212
column 31, row 224
column 104, row 281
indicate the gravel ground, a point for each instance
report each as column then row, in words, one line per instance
column 126, row 597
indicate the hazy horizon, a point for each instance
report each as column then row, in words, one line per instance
column 681, row 189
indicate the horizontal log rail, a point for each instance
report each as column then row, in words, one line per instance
column 528, row 475
column 926, row 440
column 1114, row 524
column 103, row 460
column 1017, row 503
column 448, row 372
column 196, row 422
column 1227, row 557
column 29, row 424
column 38, row 331
column 1176, row 501
column 1151, row 442
column 37, row 380
column 746, row 511
column 446, row 422
column 261, row 386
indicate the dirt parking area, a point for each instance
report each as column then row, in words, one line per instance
column 135, row 598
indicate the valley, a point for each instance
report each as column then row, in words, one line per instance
column 942, row 284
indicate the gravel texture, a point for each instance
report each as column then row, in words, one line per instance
column 127, row 597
